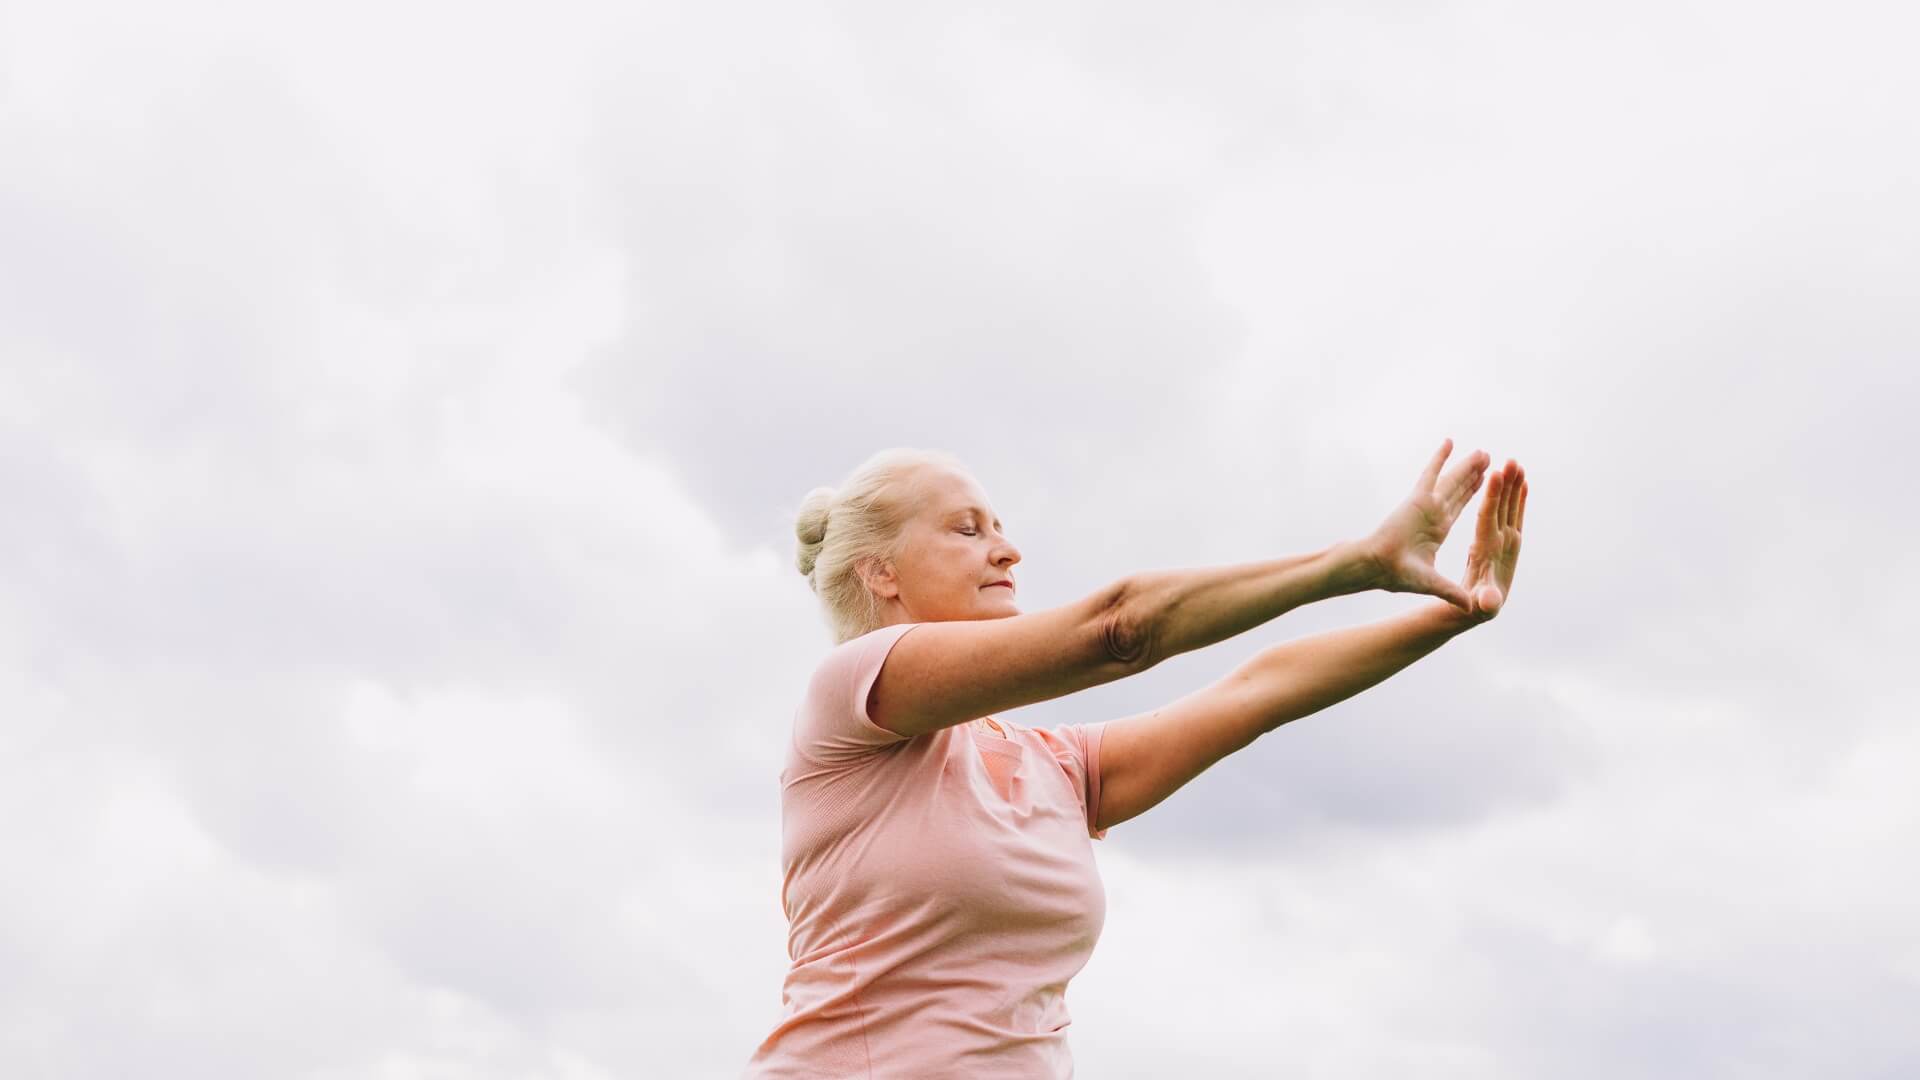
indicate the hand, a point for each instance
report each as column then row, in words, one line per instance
column 1496, row 542
column 1403, row 547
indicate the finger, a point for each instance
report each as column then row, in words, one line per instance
column 1432, row 472
column 1513, row 502
column 1506, row 494
column 1520, row 519
column 1465, row 481
column 1490, row 507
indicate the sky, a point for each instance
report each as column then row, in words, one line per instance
column 404, row 408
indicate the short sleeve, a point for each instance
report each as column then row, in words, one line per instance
column 1076, row 747
column 832, row 726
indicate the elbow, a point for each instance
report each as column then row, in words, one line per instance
column 1127, row 627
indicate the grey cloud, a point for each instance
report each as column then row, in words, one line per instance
column 1582, row 1017
column 863, row 261
column 1439, row 746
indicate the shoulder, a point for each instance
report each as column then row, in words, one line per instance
column 857, row 657
column 1075, row 746
column 833, row 725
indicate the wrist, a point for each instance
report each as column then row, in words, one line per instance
column 1354, row 566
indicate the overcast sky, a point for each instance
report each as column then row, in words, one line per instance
column 403, row 408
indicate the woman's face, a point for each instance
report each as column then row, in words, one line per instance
column 954, row 555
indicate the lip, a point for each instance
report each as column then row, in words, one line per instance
column 1008, row 584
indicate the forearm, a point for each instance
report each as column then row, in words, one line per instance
column 1177, row 611
column 1301, row 677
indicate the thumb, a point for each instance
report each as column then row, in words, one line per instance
column 1447, row 590
column 1489, row 600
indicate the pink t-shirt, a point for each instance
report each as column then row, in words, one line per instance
column 940, row 890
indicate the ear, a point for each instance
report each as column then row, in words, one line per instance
column 879, row 578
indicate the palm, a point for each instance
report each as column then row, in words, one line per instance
column 1405, row 544
column 1496, row 542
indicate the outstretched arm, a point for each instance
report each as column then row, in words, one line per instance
column 1147, row 757
column 1168, row 612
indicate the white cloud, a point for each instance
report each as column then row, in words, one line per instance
column 401, row 409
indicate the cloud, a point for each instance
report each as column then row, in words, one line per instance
column 401, row 419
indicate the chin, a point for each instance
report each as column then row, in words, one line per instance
column 999, row 607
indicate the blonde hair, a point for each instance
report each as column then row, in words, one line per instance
column 861, row 522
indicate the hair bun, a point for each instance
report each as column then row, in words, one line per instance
column 810, row 526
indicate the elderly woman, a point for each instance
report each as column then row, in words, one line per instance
column 939, row 879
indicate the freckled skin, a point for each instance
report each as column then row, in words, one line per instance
column 954, row 547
